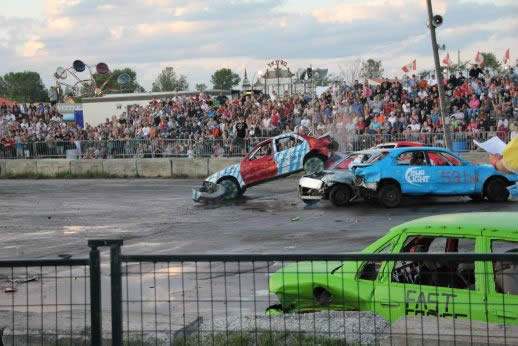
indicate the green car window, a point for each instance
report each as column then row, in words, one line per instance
column 505, row 273
column 436, row 273
column 370, row 270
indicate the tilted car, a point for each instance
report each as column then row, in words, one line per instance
column 430, row 171
column 466, row 289
column 336, row 183
column 271, row 159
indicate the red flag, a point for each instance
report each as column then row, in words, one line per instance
column 410, row 67
column 446, row 61
column 479, row 59
column 507, row 56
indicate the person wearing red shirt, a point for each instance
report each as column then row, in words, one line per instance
column 275, row 119
column 360, row 125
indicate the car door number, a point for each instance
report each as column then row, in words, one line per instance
column 456, row 177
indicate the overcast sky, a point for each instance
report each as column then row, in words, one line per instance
column 197, row 37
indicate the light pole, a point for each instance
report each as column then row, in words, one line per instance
column 432, row 23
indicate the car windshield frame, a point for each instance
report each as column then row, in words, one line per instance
column 373, row 154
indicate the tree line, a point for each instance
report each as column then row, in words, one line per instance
column 28, row 87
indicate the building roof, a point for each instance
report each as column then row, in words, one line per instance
column 148, row 96
column 278, row 73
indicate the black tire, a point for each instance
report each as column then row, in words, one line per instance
column 310, row 201
column 496, row 190
column 389, row 195
column 340, row 195
column 232, row 189
column 314, row 164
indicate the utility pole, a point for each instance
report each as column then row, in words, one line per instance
column 444, row 112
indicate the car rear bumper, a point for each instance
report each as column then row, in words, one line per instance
column 208, row 192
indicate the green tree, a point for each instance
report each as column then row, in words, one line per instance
column 201, row 87
column 462, row 67
column 167, row 80
column 112, row 84
column 224, row 79
column 3, row 87
column 321, row 80
column 371, row 69
column 491, row 61
column 24, row 86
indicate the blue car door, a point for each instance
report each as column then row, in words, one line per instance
column 412, row 170
column 450, row 175
column 289, row 153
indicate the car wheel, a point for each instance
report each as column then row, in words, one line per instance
column 314, row 164
column 496, row 190
column 310, row 201
column 340, row 195
column 389, row 195
column 232, row 189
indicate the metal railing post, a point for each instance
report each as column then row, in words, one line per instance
column 116, row 292
column 95, row 295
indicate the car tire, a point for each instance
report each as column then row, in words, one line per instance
column 313, row 164
column 496, row 190
column 232, row 189
column 389, row 195
column 340, row 195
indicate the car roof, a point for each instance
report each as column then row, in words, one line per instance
column 372, row 151
column 497, row 223
column 398, row 151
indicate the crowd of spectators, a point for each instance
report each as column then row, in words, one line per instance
column 201, row 125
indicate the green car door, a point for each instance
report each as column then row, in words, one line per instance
column 430, row 288
column 502, row 282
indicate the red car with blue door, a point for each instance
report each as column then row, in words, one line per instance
column 271, row 159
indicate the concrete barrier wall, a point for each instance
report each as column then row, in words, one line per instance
column 149, row 168
column 86, row 167
column 3, row 165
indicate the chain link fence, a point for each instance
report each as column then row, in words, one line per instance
column 306, row 299
column 166, row 148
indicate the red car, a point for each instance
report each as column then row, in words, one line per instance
column 399, row 144
column 273, row 158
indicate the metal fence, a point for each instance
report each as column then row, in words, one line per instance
column 339, row 299
column 45, row 301
column 461, row 141
column 159, row 147
column 315, row 300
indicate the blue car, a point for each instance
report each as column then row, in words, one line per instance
column 430, row 171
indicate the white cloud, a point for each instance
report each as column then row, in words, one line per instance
column 107, row 7
column 30, row 48
column 198, row 37
column 53, row 8
column 59, row 24
column 117, row 32
column 164, row 28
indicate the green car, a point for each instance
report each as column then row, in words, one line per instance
column 477, row 290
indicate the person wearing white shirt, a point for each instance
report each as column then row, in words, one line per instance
column 306, row 122
column 422, row 93
column 504, row 122
column 392, row 119
column 414, row 126
column 406, row 107
column 145, row 131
